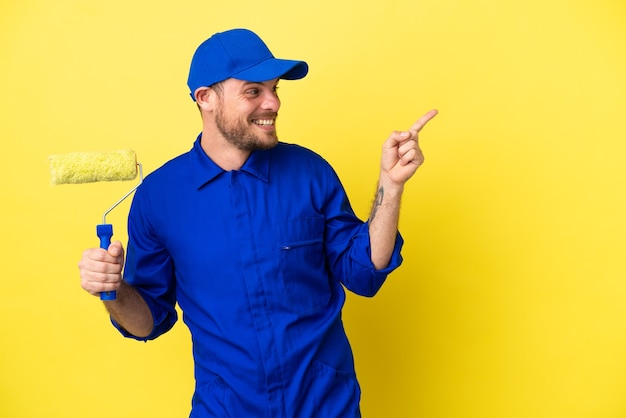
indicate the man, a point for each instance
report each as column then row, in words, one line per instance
column 255, row 239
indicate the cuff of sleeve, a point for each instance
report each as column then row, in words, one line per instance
column 363, row 247
column 396, row 257
column 366, row 280
column 163, row 320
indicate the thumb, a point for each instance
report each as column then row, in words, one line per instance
column 116, row 249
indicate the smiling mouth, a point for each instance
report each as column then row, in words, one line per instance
column 264, row 122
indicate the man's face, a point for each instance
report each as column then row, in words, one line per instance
column 246, row 113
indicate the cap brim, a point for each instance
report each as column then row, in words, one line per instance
column 274, row 68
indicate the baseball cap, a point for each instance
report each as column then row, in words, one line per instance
column 240, row 54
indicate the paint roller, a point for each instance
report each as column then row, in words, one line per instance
column 91, row 167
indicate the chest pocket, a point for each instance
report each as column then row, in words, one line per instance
column 304, row 276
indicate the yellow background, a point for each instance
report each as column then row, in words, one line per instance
column 512, row 299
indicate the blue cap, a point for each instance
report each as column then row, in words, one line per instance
column 240, row 54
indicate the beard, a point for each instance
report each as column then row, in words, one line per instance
column 242, row 135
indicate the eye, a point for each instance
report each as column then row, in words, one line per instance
column 253, row 92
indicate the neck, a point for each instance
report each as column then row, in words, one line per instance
column 221, row 152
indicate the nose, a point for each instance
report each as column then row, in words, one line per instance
column 271, row 102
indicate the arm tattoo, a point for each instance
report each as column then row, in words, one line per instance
column 378, row 201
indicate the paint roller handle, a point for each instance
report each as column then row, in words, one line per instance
column 105, row 232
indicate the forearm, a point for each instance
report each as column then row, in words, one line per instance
column 130, row 311
column 401, row 157
column 383, row 223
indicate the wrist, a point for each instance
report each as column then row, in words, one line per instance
column 390, row 187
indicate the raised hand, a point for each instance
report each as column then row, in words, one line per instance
column 402, row 155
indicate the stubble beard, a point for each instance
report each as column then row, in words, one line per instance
column 241, row 136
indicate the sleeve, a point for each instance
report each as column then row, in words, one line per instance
column 348, row 248
column 149, row 269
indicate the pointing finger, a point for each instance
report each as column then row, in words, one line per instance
column 421, row 122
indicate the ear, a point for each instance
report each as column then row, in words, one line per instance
column 205, row 97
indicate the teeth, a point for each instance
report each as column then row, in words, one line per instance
column 264, row 121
